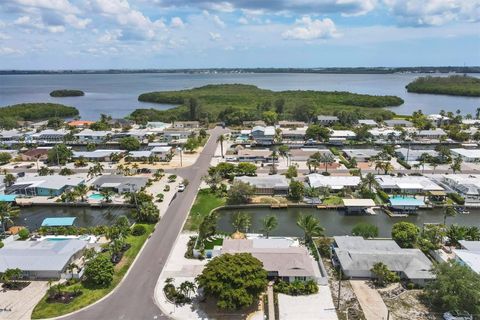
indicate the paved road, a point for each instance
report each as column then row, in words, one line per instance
column 134, row 298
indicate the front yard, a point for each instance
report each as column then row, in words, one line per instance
column 91, row 294
column 205, row 202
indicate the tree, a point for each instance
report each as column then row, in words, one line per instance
column 221, row 139
column 310, row 226
column 70, row 268
column 366, row 230
column 456, row 165
column 327, row 159
column 317, row 132
column 235, row 281
column 66, row 171
column 296, row 190
column 24, row 234
column 240, row 193
column 9, row 179
column 225, row 169
column 431, row 237
column 291, row 172
column 81, row 190
column 45, row 171
column 213, row 179
column 5, row 157
column 99, row 271
column 107, row 195
column 7, row 214
column 246, row 169
column 455, row 287
column 60, row 154
column 241, row 221
column 269, row 223
column 369, row 181
column 146, row 212
column 283, row 151
column 405, row 234
column 191, row 144
column 129, row 143
column 382, row 275
column 279, row 105
column 10, row 276
column 270, row 117
column 449, row 211
column 194, row 108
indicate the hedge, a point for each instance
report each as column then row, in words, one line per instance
column 456, row 198
column 383, row 195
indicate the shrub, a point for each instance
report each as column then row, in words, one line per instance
column 404, row 164
column 167, row 188
column 456, row 198
column 383, row 195
column 325, row 173
column 139, row 230
column 365, row 230
column 172, row 178
column 24, row 234
column 296, row 288
column 99, row 271
column 1, row 244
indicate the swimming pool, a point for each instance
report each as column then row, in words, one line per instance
column 95, row 196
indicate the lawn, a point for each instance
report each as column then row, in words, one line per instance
column 333, row 201
column 90, row 295
column 209, row 244
column 204, row 203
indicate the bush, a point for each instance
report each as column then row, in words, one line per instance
column 139, row 230
column 296, row 288
column 99, row 271
column 167, row 188
column 383, row 195
column 325, row 173
column 1, row 244
column 24, row 234
column 456, row 198
column 366, row 230
column 404, row 164
column 172, row 178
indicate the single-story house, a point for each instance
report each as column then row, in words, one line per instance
column 162, row 152
column 339, row 136
column 384, row 133
column 97, row 155
column 327, row 120
column 296, row 134
column 367, row 122
column 88, row 135
column 414, row 154
column 468, row 155
column 35, row 154
column 280, row 258
column 398, row 123
column 431, row 134
column 406, row 184
column 302, row 154
column 467, row 185
column 157, row 126
column 263, row 135
column 316, row 180
column 176, row 134
column 47, row 186
column 438, row 119
column 361, row 155
column 469, row 254
column 356, row 257
column 139, row 155
column 268, row 184
column 357, row 205
column 186, row 124
column 253, row 155
column 48, row 135
column 403, row 203
column 41, row 260
column 291, row 124
column 119, row 183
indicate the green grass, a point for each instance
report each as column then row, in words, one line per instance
column 333, row 201
column 90, row 295
column 235, row 103
column 214, row 242
column 204, row 203
column 453, row 85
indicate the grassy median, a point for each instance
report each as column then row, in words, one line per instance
column 205, row 202
column 89, row 295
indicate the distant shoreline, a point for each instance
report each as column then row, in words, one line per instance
column 359, row 70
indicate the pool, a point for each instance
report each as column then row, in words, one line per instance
column 95, row 196
column 59, row 238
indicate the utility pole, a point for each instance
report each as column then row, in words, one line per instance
column 339, row 288
column 181, row 158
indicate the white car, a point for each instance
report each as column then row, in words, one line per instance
column 181, row 187
column 457, row 315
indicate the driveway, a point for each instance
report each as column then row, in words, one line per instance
column 370, row 300
column 22, row 302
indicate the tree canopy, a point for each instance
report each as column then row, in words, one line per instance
column 405, row 234
column 9, row 115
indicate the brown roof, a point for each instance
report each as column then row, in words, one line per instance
column 36, row 152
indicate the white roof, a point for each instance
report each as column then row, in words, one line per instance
column 96, row 153
column 358, row 202
column 468, row 153
column 267, row 181
column 110, row 185
column 92, row 133
column 334, row 182
column 161, row 149
column 407, row 182
column 434, row 132
column 368, row 122
column 54, row 182
column 470, row 258
column 342, row 133
column 140, row 154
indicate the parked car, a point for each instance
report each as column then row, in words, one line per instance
column 457, row 315
column 181, row 187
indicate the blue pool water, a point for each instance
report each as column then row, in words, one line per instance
column 58, row 239
column 95, row 196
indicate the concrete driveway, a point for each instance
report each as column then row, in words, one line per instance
column 22, row 302
column 370, row 300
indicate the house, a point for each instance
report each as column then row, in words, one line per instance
column 263, row 135
column 316, row 180
column 467, row 185
column 253, row 155
column 407, row 154
column 357, row 256
column 384, row 133
column 437, row 133
column 406, row 184
column 119, row 183
column 176, row 134
column 97, row 155
column 254, row 123
column 468, row 155
column 367, row 122
column 49, row 136
column 40, row 154
column 88, row 135
column 11, row 136
column 120, row 123
column 267, row 185
column 41, row 260
column 157, row 126
column 162, row 152
column 139, row 155
column 469, row 254
column 357, row 205
column 186, row 125
column 398, row 123
column 302, row 154
column 471, row 122
column 281, row 258
column 291, row 124
column 404, row 203
column 339, row 136
column 47, row 186
column 361, row 155
column 327, row 120
column 438, row 119
column 295, row 134
column 80, row 123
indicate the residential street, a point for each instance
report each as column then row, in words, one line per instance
column 134, row 298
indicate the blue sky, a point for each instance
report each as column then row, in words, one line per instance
column 99, row 34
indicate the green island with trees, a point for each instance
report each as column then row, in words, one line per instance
column 234, row 103
column 66, row 93
column 9, row 115
column 455, row 85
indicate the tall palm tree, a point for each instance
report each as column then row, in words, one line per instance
column 221, row 139
column 7, row 214
column 387, row 167
column 449, row 211
column 81, row 190
column 9, row 179
column 327, row 159
column 310, row 226
column 107, row 195
column 70, row 268
column 283, row 152
column 370, row 181
column 98, row 167
column 269, row 223
column 241, row 221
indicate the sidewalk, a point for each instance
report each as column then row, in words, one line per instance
column 370, row 300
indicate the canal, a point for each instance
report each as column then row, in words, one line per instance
column 337, row 223
column 32, row 217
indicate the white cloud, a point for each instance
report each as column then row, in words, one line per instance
column 308, row 29
column 243, row 20
column 176, row 22
column 35, row 23
column 110, row 36
column 57, row 5
column 76, row 22
column 219, row 22
column 215, row 36
column 9, row 50
column 221, row 6
column 4, row 36
column 434, row 12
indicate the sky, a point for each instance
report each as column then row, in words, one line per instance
column 103, row 34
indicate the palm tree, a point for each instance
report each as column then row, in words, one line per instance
column 120, row 169
column 449, row 211
column 71, row 267
column 283, row 152
column 370, row 181
column 388, row 167
column 241, row 221
column 311, row 227
column 187, row 287
column 98, row 167
column 269, row 223
column 327, row 159
column 81, row 190
column 107, row 195
column 9, row 179
column 91, row 172
column 473, row 233
column 379, row 165
column 7, row 214
column 220, row 140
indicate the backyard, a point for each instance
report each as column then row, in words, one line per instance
column 205, row 202
column 91, row 294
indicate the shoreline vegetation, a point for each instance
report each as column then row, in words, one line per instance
column 10, row 115
column 455, row 85
column 234, row 103
column 66, row 93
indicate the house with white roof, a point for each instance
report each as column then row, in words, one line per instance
column 438, row 119
column 97, row 155
column 361, row 155
column 47, row 186
column 406, row 184
column 339, row 136
column 367, row 122
column 469, row 254
column 409, row 154
column 294, row 134
column 316, row 180
column 384, row 133
column 88, row 135
column 327, row 120
column 356, row 257
column 49, row 136
column 398, row 123
column 186, row 124
column 467, row 185
column 431, row 134
column 468, row 155
column 41, row 260
column 176, row 134
column 267, row 184
column 120, row 183
column 263, row 135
